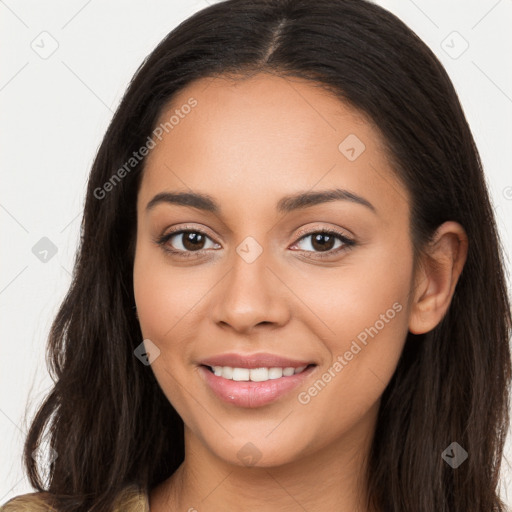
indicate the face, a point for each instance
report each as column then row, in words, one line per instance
column 252, row 276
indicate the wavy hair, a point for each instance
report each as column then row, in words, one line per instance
column 106, row 416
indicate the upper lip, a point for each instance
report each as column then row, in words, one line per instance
column 261, row 360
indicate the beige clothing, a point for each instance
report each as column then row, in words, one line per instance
column 132, row 499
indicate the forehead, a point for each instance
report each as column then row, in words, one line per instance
column 266, row 136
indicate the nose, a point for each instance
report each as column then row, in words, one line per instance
column 252, row 294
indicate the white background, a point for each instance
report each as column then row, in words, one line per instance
column 55, row 112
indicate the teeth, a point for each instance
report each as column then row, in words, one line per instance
column 226, row 372
column 240, row 373
column 258, row 374
column 255, row 374
column 275, row 373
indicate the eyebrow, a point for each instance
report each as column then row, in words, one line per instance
column 297, row 201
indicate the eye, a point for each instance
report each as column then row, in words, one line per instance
column 185, row 242
column 323, row 242
column 192, row 242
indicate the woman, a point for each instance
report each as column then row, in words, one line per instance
column 289, row 293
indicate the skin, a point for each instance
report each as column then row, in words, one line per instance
column 247, row 144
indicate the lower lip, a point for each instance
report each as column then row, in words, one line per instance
column 252, row 394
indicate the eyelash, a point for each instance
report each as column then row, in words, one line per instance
column 347, row 242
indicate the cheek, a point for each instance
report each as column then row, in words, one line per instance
column 164, row 294
column 367, row 316
column 164, row 297
column 371, row 287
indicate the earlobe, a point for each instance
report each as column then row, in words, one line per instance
column 437, row 276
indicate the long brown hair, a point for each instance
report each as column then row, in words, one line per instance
column 107, row 418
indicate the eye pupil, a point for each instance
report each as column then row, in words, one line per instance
column 317, row 244
column 193, row 241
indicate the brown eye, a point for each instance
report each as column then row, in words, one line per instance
column 186, row 241
column 192, row 240
column 323, row 243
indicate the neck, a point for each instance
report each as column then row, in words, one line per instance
column 332, row 478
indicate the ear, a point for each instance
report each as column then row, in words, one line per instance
column 436, row 276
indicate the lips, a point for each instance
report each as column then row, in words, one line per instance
column 263, row 360
column 250, row 394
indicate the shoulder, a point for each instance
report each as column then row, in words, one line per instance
column 31, row 502
column 131, row 499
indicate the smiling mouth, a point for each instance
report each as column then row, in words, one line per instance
column 255, row 374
